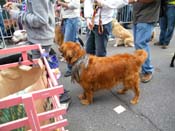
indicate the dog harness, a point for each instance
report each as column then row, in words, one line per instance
column 77, row 67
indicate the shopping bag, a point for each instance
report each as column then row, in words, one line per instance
column 20, row 80
column 15, row 79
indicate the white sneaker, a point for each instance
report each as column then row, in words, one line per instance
column 66, row 105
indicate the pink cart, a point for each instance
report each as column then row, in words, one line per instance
column 32, row 119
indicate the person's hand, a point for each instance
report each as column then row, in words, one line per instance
column 99, row 2
column 89, row 24
column 60, row 1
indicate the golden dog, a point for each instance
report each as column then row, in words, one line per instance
column 59, row 38
column 122, row 35
column 95, row 73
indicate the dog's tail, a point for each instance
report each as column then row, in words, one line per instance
column 141, row 55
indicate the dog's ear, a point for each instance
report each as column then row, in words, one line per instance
column 74, row 52
column 70, row 51
column 78, row 52
column 62, row 47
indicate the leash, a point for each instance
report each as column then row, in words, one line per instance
column 100, row 26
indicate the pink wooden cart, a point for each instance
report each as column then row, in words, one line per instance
column 33, row 119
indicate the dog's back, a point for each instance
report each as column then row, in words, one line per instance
column 141, row 55
column 119, row 31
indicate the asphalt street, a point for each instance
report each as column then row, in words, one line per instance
column 154, row 112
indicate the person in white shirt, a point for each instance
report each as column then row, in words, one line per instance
column 70, row 13
column 99, row 23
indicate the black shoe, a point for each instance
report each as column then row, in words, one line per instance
column 158, row 44
column 164, row 47
column 67, row 74
column 64, row 97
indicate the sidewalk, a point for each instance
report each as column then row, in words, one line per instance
column 154, row 112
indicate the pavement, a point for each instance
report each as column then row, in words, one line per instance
column 154, row 112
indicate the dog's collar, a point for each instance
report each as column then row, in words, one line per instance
column 76, row 67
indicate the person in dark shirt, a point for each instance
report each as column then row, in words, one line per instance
column 166, row 22
column 145, row 15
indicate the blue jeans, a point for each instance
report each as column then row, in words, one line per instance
column 97, row 43
column 142, row 35
column 167, row 24
column 70, row 28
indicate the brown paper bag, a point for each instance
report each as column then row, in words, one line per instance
column 20, row 80
column 15, row 79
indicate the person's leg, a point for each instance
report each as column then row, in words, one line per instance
column 70, row 30
column 170, row 24
column 101, row 40
column 163, row 27
column 90, row 43
column 142, row 35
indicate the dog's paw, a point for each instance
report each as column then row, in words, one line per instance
column 62, row 59
column 126, row 45
column 81, row 96
column 115, row 45
column 121, row 91
column 85, row 102
column 133, row 101
column 129, row 44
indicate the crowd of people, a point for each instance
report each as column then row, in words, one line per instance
column 39, row 19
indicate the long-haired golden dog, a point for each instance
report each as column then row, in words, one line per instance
column 122, row 35
column 95, row 73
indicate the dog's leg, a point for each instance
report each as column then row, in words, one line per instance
column 122, row 91
column 89, row 98
column 116, row 42
column 136, row 90
column 82, row 96
column 128, row 42
column 125, row 87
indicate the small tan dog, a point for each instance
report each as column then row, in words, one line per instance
column 122, row 35
column 96, row 73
